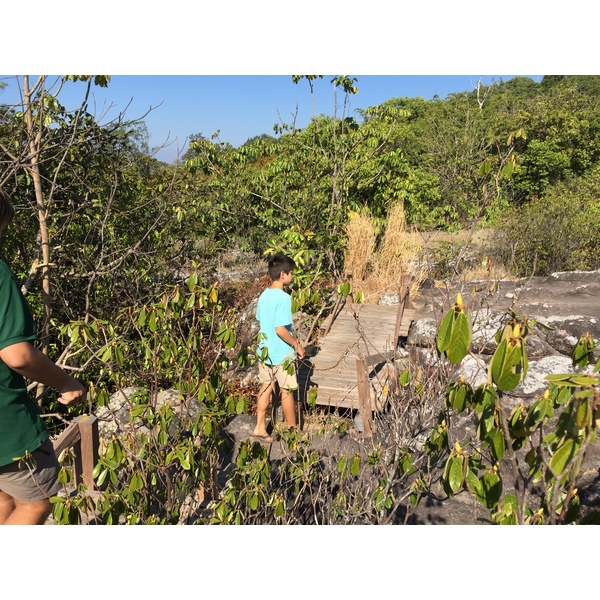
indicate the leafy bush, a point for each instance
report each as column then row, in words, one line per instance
column 539, row 446
column 556, row 232
column 179, row 342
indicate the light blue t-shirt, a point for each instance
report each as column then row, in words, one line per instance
column 275, row 310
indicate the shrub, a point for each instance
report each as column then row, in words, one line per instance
column 556, row 232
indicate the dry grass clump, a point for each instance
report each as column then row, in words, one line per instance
column 361, row 234
column 376, row 271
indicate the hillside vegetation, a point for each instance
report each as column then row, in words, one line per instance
column 117, row 251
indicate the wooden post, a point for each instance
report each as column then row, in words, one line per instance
column 364, row 395
column 86, row 451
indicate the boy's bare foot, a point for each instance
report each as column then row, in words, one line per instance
column 264, row 437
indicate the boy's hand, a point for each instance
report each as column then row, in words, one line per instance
column 300, row 351
column 72, row 393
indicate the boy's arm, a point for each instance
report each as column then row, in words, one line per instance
column 27, row 360
column 288, row 338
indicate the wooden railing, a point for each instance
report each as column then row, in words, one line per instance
column 81, row 435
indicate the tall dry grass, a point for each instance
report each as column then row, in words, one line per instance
column 361, row 234
column 377, row 270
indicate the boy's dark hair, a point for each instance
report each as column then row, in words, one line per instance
column 7, row 212
column 280, row 263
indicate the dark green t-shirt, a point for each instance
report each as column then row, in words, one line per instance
column 21, row 428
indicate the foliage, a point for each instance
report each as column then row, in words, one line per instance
column 541, row 445
column 557, row 232
column 307, row 487
column 111, row 245
column 179, row 342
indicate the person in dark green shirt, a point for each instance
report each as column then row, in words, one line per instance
column 28, row 465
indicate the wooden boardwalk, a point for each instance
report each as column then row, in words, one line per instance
column 351, row 365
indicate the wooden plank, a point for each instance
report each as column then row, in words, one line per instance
column 360, row 333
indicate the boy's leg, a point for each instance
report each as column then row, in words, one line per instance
column 288, row 405
column 27, row 486
column 262, row 405
column 7, row 506
column 27, row 513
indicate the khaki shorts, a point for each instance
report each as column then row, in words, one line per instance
column 271, row 373
column 34, row 478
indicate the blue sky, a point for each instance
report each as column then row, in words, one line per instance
column 240, row 106
column 228, row 67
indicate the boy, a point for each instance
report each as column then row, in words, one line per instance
column 28, row 465
column 274, row 313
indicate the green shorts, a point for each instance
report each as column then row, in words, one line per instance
column 271, row 373
column 34, row 478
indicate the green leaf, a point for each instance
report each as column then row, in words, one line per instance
column 355, row 466
column 485, row 167
column 580, row 354
column 254, row 501
column 445, row 332
column 460, row 340
column 503, row 366
column 492, row 488
column 102, row 477
column 582, row 416
column 584, row 380
column 498, row 444
column 455, row 473
column 563, row 455
column 404, row 378
column 558, row 377
column 474, row 485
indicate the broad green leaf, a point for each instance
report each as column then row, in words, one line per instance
column 558, row 377
column 492, row 488
column 485, row 167
column 498, row 445
column 582, row 416
column 404, row 378
column 455, row 473
column 584, row 380
column 445, row 332
column 504, row 361
column 563, row 455
column 474, row 485
column 580, row 354
column 460, row 340
column 254, row 501
column 538, row 412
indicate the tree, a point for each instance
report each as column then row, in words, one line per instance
column 100, row 205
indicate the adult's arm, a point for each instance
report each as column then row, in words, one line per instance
column 26, row 359
column 288, row 338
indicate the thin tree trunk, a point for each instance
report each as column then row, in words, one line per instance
column 34, row 168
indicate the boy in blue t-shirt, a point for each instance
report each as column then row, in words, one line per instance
column 277, row 344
